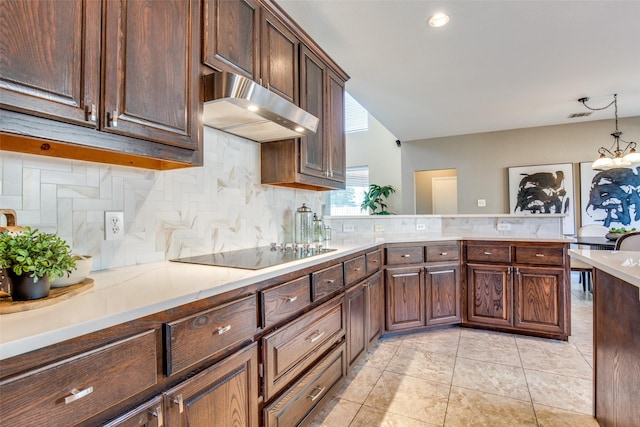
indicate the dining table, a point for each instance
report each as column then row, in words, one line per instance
column 596, row 242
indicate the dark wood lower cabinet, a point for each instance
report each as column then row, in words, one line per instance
column 149, row 414
column 539, row 298
column 375, row 305
column 223, row 395
column 443, row 294
column 489, row 295
column 405, row 298
column 364, row 305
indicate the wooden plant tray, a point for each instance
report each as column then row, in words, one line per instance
column 7, row 305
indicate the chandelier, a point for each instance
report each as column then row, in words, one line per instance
column 614, row 156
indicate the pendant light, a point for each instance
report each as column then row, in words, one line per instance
column 614, row 157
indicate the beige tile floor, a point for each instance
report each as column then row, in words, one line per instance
column 467, row 377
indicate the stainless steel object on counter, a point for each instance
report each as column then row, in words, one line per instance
column 303, row 225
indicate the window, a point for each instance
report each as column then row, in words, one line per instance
column 356, row 118
column 348, row 201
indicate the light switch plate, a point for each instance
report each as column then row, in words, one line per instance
column 504, row 226
column 378, row 227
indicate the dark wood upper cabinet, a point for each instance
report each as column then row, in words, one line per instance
column 151, row 70
column 280, row 46
column 231, row 40
column 130, row 68
column 50, row 59
column 335, row 129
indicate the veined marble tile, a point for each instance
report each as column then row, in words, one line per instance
column 495, row 351
column 336, row 413
column 369, row 417
column 553, row 417
column 470, row 408
column 560, row 391
column 503, row 380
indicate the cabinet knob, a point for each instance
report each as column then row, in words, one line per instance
column 223, row 330
column 443, row 253
column 330, row 281
column 405, row 256
column 292, row 299
column 77, row 394
column 157, row 412
column 357, row 269
column 315, row 336
column 179, row 401
column 317, row 392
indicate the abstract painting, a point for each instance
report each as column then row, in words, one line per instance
column 543, row 189
column 610, row 198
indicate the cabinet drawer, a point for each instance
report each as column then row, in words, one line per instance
column 294, row 406
column 442, row 252
column 355, row 270
column 327, row 281
column 293, row 348
column 406, row 255
column 374, row 261
column 284, row 301
column 540, row 255
column 489, row 253
column 197, row 337
column 70, row 391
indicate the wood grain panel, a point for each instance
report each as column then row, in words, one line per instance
column 488, row 252
column 327, row 281
column 443, row 295
column 355, row 270
column 489, row 294
column 405, row 298
column 375, row 306
column 97, row 376
column 540, row 255
column 279, row 58
column 404, row 255
column 442, row 252
column 284, row 301
column 374, row 261
column 355, row 306
column 616, row 351
column 539, row 299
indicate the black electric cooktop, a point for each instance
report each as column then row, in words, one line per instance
column 255, row 258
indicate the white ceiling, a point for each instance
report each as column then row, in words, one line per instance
column 502, row 64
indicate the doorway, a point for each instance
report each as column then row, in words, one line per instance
column 436, row 192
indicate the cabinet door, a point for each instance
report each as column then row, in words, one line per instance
column 405, row 298
column 50, row 59
column 151, row 89
column 539, row 294
column 231, row 36
column 443, row 294
column 335, row 128
column 223, row 395
column 279, row 72
column 355, row 302
column 375, row 308
column 489, row 300
column 312, row 99
column 149, row 414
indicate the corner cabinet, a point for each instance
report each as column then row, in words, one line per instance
column 145, row 102
column 518, row 286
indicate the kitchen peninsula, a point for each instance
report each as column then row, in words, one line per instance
column 616, row 334
column 173, row 328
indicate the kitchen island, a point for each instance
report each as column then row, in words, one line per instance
column 616, row 333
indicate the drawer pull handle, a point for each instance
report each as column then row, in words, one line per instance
column 443, row 253
column 317, row 392
column 223, row 330
column 315, row 336
column 292, row 299
column 488, row 253
column 374, row 261
column 357, row 269
column 406, row 256
column 157, row 412
column 330, row 281
column 77, row 394
column 540, row 255
column 180, row 402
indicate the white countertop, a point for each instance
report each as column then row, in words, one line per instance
column 124, row 294
column 624, row 265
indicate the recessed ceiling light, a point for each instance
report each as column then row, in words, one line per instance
column 439, row 20
column 252, row 108
column 299, row 129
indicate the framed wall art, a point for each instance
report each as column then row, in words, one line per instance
column 610, row 198
column 543, row 189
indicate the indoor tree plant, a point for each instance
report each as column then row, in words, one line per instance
column 374, row 199
column 32, row 259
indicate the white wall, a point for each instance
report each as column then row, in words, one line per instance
column 220, row 206
column 482, row 159
column 377, row 149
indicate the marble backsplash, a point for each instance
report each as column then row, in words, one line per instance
column 167, row 214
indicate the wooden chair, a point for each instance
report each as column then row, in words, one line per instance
column 582, row 267
column 629, row 242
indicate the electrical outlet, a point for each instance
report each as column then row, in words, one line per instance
column 504, row 226
column 114, row 225
column 482, row 203
column 378, row 227
column 421, row 227
column 348, row 228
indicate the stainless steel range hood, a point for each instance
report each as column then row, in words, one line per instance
column 240, row 106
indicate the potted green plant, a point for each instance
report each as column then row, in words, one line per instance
column 374, row 199
column 32, row 260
